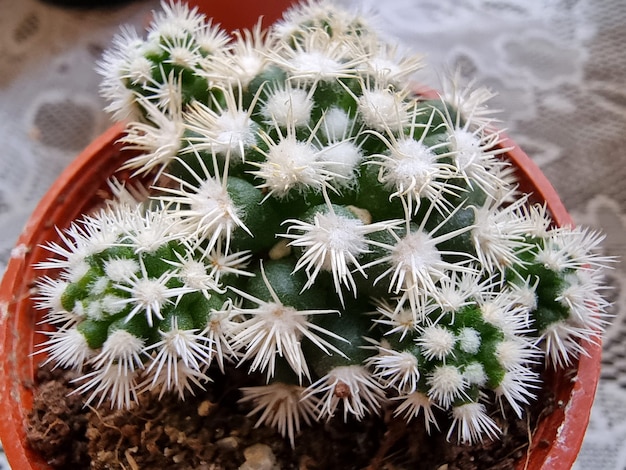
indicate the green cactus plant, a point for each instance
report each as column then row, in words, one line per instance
column 314, row 219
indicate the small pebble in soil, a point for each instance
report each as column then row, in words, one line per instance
column 259, row 457
column 205, row 407
column 228, row 443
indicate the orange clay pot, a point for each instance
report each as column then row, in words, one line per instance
column 82, row 186
column 246, row 13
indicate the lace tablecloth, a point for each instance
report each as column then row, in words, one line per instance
column 558, row 66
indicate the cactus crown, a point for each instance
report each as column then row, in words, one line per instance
column 314, row 219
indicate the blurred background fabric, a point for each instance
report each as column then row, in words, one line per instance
column 558, row 68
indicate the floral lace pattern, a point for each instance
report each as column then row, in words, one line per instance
column 557, row 67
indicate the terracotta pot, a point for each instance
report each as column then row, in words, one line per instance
column 247, row 12
column 82, row 186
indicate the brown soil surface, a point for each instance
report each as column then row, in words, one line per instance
column 211, row 431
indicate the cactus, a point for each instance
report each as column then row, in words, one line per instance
column 314, row 219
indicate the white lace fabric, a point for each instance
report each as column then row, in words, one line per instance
column 558, row 68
